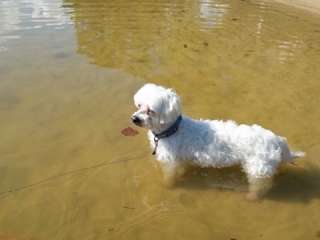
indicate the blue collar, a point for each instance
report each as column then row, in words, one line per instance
column 167, row 133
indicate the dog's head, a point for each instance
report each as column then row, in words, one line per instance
column 158, row 107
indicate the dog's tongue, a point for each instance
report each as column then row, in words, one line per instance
column 129, row 131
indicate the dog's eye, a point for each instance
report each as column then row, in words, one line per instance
column 150, row 112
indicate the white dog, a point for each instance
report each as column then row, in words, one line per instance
column 178, row 140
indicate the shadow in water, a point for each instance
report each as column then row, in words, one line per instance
column 291, row 184
column 229, row 179
column 296, row 184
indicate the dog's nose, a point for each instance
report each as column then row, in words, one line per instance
column 135, row 120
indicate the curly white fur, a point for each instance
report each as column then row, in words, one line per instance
column 207, row 143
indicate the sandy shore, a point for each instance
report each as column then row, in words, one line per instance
column 310, row 5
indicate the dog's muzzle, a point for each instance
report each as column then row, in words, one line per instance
column 137, row 121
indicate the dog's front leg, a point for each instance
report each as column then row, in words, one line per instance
column 170, row 173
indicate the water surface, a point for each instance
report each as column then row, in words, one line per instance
column 68, row 70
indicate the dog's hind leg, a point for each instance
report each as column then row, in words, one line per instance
column 258, row 187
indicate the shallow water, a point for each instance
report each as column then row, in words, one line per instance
column 68, row 70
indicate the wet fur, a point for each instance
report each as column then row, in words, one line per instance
column 210, row 143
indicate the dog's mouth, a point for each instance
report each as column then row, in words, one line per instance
column 138, row 124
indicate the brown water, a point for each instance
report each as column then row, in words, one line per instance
column 68, row 70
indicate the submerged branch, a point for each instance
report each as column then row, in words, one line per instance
column 64, row 174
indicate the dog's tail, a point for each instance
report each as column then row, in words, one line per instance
column 293, row 156
column 297, row 154
column 287, row 154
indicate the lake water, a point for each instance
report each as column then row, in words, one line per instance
column 68, row 71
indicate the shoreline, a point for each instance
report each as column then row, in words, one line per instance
column 308, row 5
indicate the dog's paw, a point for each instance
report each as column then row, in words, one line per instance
column 169, row 181
column 253, row 196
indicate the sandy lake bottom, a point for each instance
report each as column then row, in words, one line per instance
column 68, row 71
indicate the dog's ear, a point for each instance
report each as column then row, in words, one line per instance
column 170, row 107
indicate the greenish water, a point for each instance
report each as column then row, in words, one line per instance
column 68, row 70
